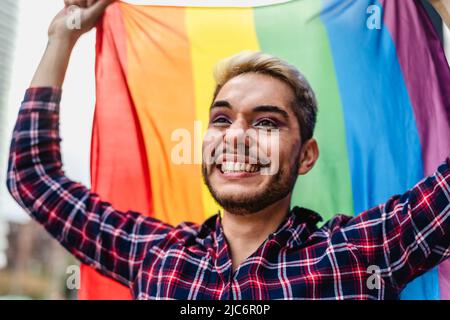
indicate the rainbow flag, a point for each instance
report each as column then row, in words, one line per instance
column 377, row 67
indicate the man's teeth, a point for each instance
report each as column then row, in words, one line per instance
column 239, row 167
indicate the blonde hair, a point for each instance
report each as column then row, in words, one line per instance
column 305, row 104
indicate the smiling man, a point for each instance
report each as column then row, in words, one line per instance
column 257, row 92
column 260, row 139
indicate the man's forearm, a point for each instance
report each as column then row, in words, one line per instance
column 53, row 66
column 111, row 241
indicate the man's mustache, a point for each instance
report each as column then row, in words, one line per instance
column 225, row 153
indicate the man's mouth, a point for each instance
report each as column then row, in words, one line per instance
column 238, row 167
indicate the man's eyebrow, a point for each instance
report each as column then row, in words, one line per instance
column 269, row 108
column 221, row 103
column 262, row 108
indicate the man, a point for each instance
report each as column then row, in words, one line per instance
column 258, row 248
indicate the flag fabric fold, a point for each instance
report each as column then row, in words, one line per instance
column 378, row 70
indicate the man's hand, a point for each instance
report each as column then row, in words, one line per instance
column 62, row 38
column 443, row 8
column 85, row 12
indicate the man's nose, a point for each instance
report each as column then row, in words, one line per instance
column 236, row 135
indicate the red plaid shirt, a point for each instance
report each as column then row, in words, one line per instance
column 402, row 238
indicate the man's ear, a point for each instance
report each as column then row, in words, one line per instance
column 308, row 156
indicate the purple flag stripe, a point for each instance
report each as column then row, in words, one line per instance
column 430, row 95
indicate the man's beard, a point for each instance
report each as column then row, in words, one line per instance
column 281, row 184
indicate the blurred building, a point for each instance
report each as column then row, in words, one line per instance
column 33, row 265
column 8, row 27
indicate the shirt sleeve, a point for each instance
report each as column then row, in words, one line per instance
column 113, row 242
column 410, row 233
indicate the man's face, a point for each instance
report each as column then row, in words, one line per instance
column 252, row 148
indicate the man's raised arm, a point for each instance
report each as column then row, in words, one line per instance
column 112, row 242
column 410, row 233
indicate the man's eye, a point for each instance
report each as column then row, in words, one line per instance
column 266, row 123
column 221, row 120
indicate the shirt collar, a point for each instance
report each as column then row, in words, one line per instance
column 298, row 225
column 295, row 229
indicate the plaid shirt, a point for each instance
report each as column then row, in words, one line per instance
column 400, row 239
